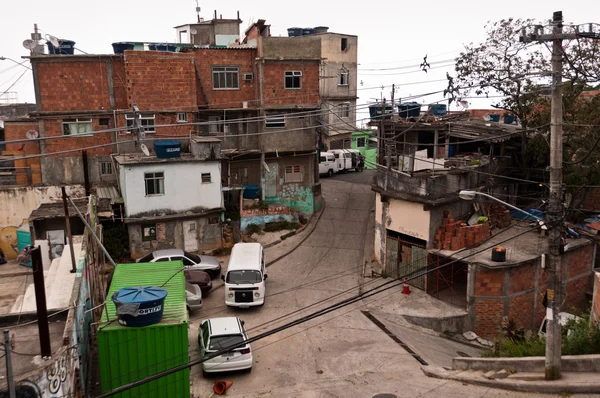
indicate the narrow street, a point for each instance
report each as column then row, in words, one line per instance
column 343, row 353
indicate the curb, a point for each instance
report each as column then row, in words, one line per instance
column 544, row 387
column 269, row 263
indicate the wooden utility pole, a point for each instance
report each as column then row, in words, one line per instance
column 9, row 370
column 68, row 227
column 555, row 213
column 40, row 302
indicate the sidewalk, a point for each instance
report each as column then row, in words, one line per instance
column 571, row 382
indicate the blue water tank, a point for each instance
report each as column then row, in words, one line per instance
column 293, row 32
column 308, row 31
column 494, row 117
column 65, row 47
column 509, row 119
column 251, row 191
column 139, row 305
column 121, row 46
column 409, row 109
column 437, row 109
column 375, row 110
column 162, row 47
column 166, row 149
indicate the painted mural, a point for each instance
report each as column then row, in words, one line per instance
column 9, row 240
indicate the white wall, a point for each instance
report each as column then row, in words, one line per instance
column 184, row 189
column 17, row 203
column 404, row 217
column 422, row 162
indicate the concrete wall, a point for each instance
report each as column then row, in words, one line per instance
column 304, row 47
column 184, row 189
column 302, row 136
column 69, row 170
column 569, row 363
column 170, row 234
column 297, row 195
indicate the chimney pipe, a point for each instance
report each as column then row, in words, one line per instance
column 220, row 16
column 238, row 14
column 215, row 14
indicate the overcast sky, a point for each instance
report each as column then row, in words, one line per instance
column 391, row 33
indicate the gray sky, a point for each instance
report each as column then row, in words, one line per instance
column 391, row 33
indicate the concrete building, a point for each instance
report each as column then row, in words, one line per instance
column 174, row 202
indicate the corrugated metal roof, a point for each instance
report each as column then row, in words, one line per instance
column 150, row 274
column 109, row 193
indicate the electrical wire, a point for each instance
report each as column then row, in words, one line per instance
column 15, row 82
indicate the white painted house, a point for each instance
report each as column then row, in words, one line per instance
column 173, row 202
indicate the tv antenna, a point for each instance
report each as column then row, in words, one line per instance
column 53, row 40
column 32, row 134
column 144, row 149
column 30, row 44
column 198, row 11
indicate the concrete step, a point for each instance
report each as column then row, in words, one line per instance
column 527, row 376
column 488, row 375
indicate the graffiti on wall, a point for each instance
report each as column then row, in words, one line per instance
column 9, row 242
column 54, row 381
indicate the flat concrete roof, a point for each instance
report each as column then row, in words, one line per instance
column 523, row 249
column 132, row 159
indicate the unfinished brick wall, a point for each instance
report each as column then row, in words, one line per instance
column 160, row 80
column 75, row 84
column 274, row 85
column 518, row 292
column 591, row 200
column 244, row 59
column 18, row 131
column 498, row 215
column 54, row 128
column 456, row 235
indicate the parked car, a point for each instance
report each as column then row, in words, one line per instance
column 190, row 261
column 193, row 297
column 245, row 280
column 199, row 278
column 327, row 164
column 218, row 334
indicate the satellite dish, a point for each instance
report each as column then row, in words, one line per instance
column 32, row 134
column 193, row 31
column 29, row 44
column 53, row 40
column 144, row 149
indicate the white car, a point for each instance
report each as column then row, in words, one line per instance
column 218, row 334
column 193, row 262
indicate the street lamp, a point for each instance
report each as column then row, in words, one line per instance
column 16, row 62
column 466, row 194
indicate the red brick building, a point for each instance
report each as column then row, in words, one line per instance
column 493, row 292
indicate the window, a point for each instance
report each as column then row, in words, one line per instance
column 293, row 173
column 106, row 168
column 293, row 79
column 149, row 233
column 155, row 183
column 343, row 78
column 225, row 77
column 361, row 142
column 344, row 44
column 104, row 121
column 183, row 36
column 182, row 117
column 216, row 124
column 205, row 178
column 275, row 121
column 146, row 119
column 343, row 110
column 77, row 126
column 185, row 260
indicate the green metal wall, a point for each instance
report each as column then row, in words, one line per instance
column 128, row 354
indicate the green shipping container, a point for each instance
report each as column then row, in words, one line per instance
column 127, row 354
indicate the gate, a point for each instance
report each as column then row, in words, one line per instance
column 405, row 259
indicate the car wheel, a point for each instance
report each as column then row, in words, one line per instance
column 329, row 173
column 248, row 370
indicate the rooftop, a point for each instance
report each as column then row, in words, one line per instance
column 133, row 159
column 527, row 247
column 57, row 210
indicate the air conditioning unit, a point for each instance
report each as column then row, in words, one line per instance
column 248, row 76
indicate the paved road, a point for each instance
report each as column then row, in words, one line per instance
column 341, row 354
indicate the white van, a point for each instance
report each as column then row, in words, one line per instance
column 346, row 159
column 245, row 278
column 327, row 163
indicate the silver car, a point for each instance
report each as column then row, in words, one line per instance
column 190, row 261
column 193, row 297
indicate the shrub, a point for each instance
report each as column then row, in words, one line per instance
column 303, row 220
column 285, row 236
column 116, row 241
column 253, row 229
column 281, row 226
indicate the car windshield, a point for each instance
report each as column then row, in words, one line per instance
column 243, row 276
column 192, row 257
column 147, row 258
column 221, row 342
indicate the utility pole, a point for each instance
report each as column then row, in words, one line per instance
column 9, row 370
column 40, row 302
column 555, row 213
column 68, row 225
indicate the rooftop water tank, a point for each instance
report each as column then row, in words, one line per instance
column 293, row 32
column 308, row 31
column 139, row 305
column 162, row 47
column 166, row 149
column 321, row 29
column 409, row 109
column 375, row 110
column 121, row 46
column 65, row 47
column 494, row 117
column 437, row 109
